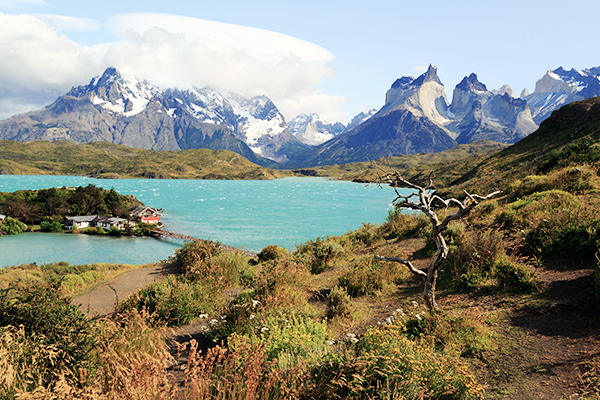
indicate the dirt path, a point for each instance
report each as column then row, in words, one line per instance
column 101, row 301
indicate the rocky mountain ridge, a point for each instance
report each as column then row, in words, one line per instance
column 559, row 87
column 415, row 118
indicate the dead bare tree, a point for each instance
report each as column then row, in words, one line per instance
column 426, row 199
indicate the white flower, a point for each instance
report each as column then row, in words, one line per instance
column 255, row 303
column 213, row 321
column 251, row 316
column 330, row 342
column 418, row 317
column 202, row 316
column 415, row 304
column 354, row 340
column 264, row 329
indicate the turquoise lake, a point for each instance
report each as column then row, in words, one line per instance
column 244, row 214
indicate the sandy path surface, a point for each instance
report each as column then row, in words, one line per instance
column 101, row 301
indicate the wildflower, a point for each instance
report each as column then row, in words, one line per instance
column 252, row 316
column 418, row 317
column 213, row 321
column 330, row 342
column 354, row 340
column 264, row 329
column 255, row 303
column 202, row 316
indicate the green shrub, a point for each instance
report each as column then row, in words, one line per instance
column 291, row 339
column 388, row 365
column 197, row 258
column 466, row 335
column 206, row 262
column 319, row 254
column 272, row 252
column 556, row 222
column 515, row 276
column 368, row 276
column 367, row 235
column 402, row 225
column 338, row 303
column 478, row 259
column 50, row 226
column 173, row 301
column 12, row 226
column 282, row 283
column 241, row 316
column 54, row 337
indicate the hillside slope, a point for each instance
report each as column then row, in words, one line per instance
column 106, row 160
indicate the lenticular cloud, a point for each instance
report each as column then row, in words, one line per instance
column 181, row 51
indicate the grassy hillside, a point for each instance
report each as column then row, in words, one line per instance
column 105, row 160
column 570, row 136
column 451, row 164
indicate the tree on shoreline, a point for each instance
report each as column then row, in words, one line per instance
column 426, row 199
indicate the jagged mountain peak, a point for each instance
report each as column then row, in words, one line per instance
column 429, row 76
column 312, row 130
column 471, row 83
column 504, row 89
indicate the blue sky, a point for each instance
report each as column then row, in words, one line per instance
column 335, row 58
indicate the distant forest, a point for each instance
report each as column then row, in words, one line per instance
column 33, row 206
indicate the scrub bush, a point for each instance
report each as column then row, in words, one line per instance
column 387, row 365
column 272, row 252
column 319, row 254
column 291, row 339
column 173, row 301
column 556, row 222
column 45, row 337
column 478, row 259
column 338, row 303
column 368, row 276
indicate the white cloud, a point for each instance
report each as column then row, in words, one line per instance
column 68, row 24
column 38, row 64
column 181, row 51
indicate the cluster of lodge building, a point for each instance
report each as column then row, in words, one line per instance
column 147, row 215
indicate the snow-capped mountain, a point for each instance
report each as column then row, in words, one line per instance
column 312, row 130
column 123, row 109
column 360, row 118
column 559, row 87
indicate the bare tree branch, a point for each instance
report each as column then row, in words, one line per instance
column 410, row 266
